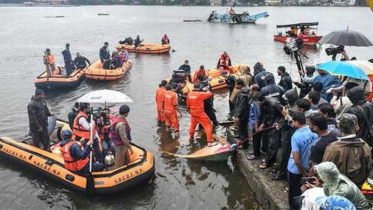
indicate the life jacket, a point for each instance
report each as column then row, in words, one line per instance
column 79, row 130
column 224, row 61
column 70, row 163
column 199, row 72
column 115, row 137
column 49, row 58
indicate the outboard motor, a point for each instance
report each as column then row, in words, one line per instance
column 109, row 161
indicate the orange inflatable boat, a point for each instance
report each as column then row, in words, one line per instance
column 96, row 71
column 140, row 169
column 58, row 81
column 217, row 81
column 146, row 48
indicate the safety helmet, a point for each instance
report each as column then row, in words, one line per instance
column 66, row 134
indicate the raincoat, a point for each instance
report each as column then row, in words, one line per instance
column 336, row 183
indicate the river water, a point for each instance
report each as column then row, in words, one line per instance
column 178, row 183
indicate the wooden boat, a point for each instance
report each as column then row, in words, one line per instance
column 140, row 169
column 309, row 38
column 59, row 81
column 96, row 71
column 219, row 152
column 146, row 48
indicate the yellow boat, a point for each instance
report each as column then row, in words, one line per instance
column 51, row 164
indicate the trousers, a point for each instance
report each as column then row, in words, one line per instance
column 204, row 120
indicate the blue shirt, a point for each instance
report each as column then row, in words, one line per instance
column 254, row 114
column 301, row 142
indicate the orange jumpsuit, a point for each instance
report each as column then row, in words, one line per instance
column 197, row 114
column 170, row 102
column 158, row 99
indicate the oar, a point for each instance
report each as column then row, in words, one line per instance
column 221, row 140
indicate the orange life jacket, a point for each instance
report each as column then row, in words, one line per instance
column 70, row 163
column 79, row 130
column 199, row 72
column 224, row 62
column 50, row 59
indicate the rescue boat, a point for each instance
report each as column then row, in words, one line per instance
column 310, row 38
column 96, row 71
column 51, row 164
column 217, row 80
column 146, row 48
column 58, row 81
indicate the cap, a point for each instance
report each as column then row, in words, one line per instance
column 66, row 134
column 124, row 109
column 334, row 202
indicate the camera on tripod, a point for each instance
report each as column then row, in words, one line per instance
column 334, row 50
column 292, row 46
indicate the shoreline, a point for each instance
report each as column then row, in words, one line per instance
column 269, row 193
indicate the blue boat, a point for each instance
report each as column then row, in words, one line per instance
column 231, row 17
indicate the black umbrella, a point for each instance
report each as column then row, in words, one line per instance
column 347, row 38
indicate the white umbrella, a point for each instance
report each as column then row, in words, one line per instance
column 105, row 96
column 366, row 66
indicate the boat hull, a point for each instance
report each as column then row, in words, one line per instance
column 307, row 40
column 96, row 72
column 60, row 82
column 52, row 165
column 146, row 48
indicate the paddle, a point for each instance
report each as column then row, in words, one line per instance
column 247, row 139
column 90, row 181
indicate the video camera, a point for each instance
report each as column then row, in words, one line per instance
column 293, row 46
column 334, row 50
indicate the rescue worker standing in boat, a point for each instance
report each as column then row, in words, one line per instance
column 123, row 53
column 104, row 53
column 76, row 156
column 38, row 113
column 48, row 59
column 195, row 106
column 82, row 130
column 165, row 40
column 81, row 62
column 68, row 60
column 71, row 116
column 224, row 62
column 120, row 131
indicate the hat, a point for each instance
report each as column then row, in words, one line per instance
column 335, row 202
column 66, row 134
column 124, row 109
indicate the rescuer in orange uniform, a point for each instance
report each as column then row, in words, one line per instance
column 76, row 156
column 158, row 99
column 48, row 60
column 224, row 62
column 169, row 108
column 195, row 106
column 200, row 71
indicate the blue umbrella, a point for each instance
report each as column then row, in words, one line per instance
column 343, row 69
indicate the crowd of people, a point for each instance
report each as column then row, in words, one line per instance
column 111, row 134
column 328, row 125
